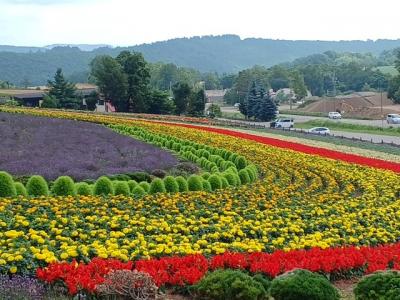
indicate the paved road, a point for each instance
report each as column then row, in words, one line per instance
column 376, row 138
column 302, row 119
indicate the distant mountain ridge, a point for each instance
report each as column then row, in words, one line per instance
column 222, row 54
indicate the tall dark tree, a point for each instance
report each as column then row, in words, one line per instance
column 197, row 102
column 259, row 104
column 138, row 79
column 64, row 91
column 266, row 109
column 182, row 92
column 111, row 80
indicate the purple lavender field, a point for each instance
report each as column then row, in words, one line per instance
column 49, row 147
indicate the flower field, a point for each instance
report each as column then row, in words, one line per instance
column 305, row 198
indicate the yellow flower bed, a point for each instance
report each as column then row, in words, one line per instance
column 302, row 201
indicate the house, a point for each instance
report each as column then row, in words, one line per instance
column 215, row 96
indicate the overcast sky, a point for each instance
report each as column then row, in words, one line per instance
column 131, row 22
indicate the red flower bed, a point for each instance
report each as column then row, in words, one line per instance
column 180, row 271
column 351, row 158
column 81, row 276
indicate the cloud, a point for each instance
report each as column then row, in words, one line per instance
column 40, row 2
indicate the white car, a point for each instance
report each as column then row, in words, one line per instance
column 236, row 105
column 393, row 119
column 334, row 115
column 320, row 130
column 282, row 123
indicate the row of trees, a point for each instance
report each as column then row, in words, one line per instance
column 125, row 81
column 329, row 73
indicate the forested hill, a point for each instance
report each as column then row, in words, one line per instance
column 220, row 54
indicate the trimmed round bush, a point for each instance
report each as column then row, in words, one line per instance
column 20, row 189
column 157, row 186
column 103, row 186
column 121, row 188
column 132, row 184
column 195, row 183
column 240, row 162
column 230, row 178
column 83, row 189
column 379, row 285
column 145, row 185
column 171, row 186
column 215, row 182
column 252, row 174
column 206, row 186
column 205, row 175
column 302, row 284
column 232, row 170
column 7, row 186
column 224, row 182
column 244, row 176
column 229, row 284
column 37, row 186
column 63, row 186
column 138, row 191
column 182, row 183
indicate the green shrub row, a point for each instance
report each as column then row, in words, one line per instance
column 65, row 185
column 294, row 285
column 209, row 158
column 235, row 284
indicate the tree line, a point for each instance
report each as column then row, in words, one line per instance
column 125, row 82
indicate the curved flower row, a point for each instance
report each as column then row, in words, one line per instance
column 187, row 270
column 302, row 201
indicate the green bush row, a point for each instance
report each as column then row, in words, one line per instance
column 209, row 158
column 295, row 285
column 65, row 185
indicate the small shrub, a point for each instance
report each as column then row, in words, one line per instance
column 240, row 162
column 302, row 284
column 230, row 178
column 171, row 186
column 83, row 189
column 138, row 191
column 103, row 186
column 63, row 186
column 244, row 176
column 252, row 174
column 159, row 173
column 229, row 284
column 20, row 189
column 121, row 188
column 132, row 184
column 224, row 182
column 140, row 176
column 182, row 183
column 379, row 285
column 127, row 284
column 195, row 183
column 206, row 186
column 37, row 186
column 7, row 186
column 157, row 186
column 145, row 185
column 215, row 182
column 205, row 175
